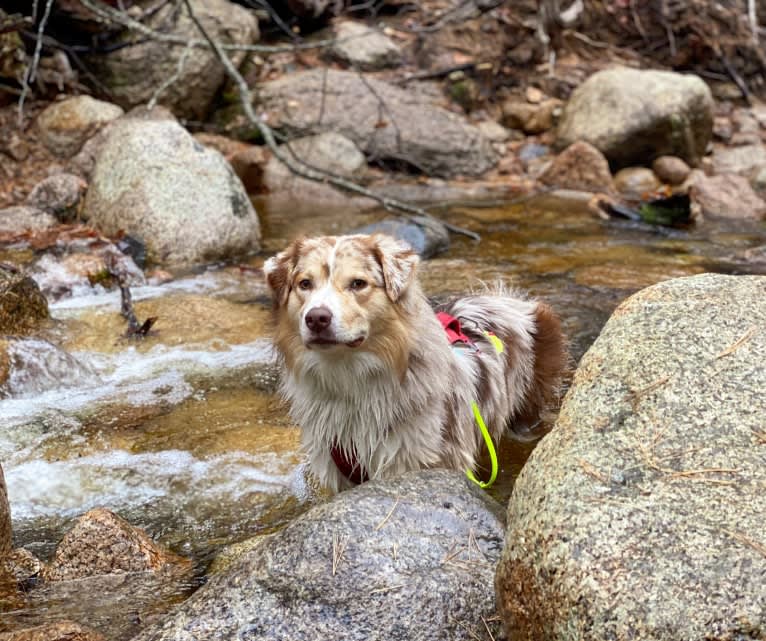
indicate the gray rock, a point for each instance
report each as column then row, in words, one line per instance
column 65, row 126
column 640, row 515
column 745, row 160
column 60, row 195
column 671, row 169
column 18, row 219
column 134, row 73
column 635, row 116
column 100, row 542
column 426, row 236
column 384, row 121
column 493, row 131
column 6, row 543
column 153, row 181
column 410, row 558
column 364, row 48
column 580, row 166
column 726, row 196
column 329, row 152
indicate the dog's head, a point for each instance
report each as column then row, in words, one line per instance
column 339, row 293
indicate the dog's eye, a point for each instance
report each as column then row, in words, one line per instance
column 358, row 284
column 304, row 284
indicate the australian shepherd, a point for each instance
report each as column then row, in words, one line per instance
column 376, row 382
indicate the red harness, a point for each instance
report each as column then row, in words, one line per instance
column 349, row 465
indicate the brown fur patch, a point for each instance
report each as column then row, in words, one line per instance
column 550, row 359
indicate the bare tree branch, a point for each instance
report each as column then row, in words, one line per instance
column 297, row 166
column 31, row 72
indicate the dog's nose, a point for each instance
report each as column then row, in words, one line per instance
column 318, row 318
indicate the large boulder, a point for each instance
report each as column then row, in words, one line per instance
column 386, row 122
column 640, row 516
column 134, row 73
column 410, row 558
column 23, row 308
column 65, row 126
column 5, row 518
column 634, row 116
column 152, row 180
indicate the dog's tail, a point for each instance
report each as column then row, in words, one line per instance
column 532, row 360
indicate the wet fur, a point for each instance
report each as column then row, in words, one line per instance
column 401, row 400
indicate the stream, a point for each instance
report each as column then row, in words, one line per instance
column 182, row 434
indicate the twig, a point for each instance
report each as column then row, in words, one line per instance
column 489, row 632
column 738, row 343
column 31, row 71
column 387, row 589
column 299, row 167
column 174, row 78
column 380, row 525
column 338, row 548
column 751, row 16
column 742, row 538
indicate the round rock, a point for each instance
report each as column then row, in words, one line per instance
column 580, row 166
column 410, row 558
column 65, row 126
column 634, row 116
column 60, row 195
column 635, row 183
column 363, row 47
column 671, row 169
column 152, row 180
column 640, row 515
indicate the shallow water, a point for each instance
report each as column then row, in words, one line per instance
column 182, row 434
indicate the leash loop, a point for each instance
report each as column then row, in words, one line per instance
column 490, row 446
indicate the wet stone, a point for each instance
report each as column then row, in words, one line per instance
column 5, row 518
column 102, row 543
column 426, row 236
column 61, row 631
column 580, row 166
column 23, row 308
column 409, row 558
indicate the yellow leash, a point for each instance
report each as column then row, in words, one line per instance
column 498, row 345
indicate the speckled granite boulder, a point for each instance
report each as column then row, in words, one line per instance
column 152, row 180
column 410, row 558
column 641, row 515
column 634, row 116
column 102, row 543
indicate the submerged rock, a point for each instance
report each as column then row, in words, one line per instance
column 65, row 126
column 134, row 73
column 634, row 116
column 152, row 180
column 61, row 631
column 60, row 195
column 364, row 48
column 410, row 130
column 23, row 308
column 5, row 518
column 410, row 558
column 102, row 543
column 426, row 236
column 640, row 515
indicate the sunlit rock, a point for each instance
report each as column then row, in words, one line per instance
column 640, row 515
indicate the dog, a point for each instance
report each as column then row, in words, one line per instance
column 381, row 386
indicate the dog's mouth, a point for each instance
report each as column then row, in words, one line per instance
column 320, row 341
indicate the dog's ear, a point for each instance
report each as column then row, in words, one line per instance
column 398, row 261
column 278, row 271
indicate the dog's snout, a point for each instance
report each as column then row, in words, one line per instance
column 318, row 318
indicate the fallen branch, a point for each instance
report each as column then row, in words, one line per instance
column 136, row 329
column 31, row 71
column 297, row 166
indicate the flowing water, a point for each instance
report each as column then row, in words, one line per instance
column 182, row 434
